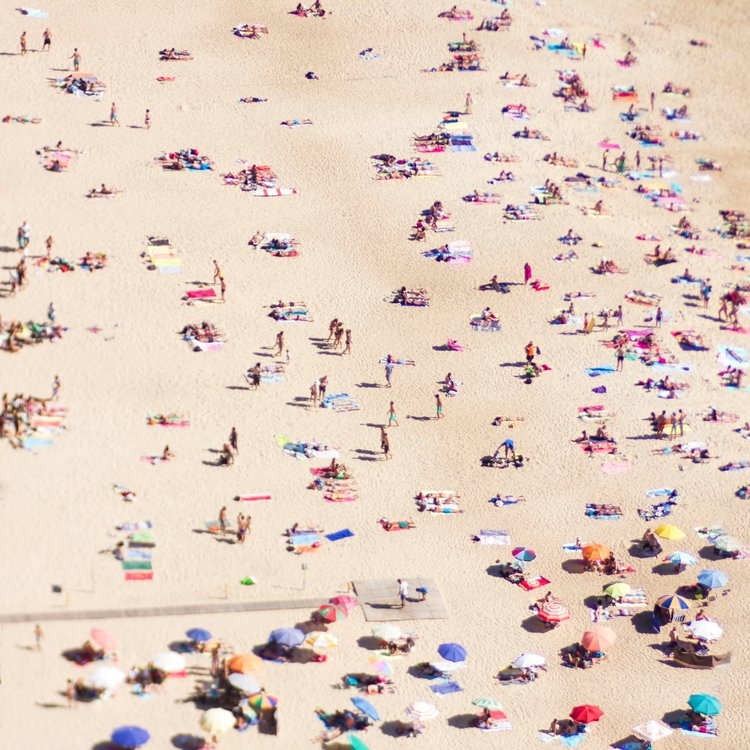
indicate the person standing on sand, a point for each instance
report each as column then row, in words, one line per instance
column 76, row 58
column 653, row 99
column 48, row 244
column 526, row 273
column 113, row 116
column 223, row 520
column 147, row 120
column 223, row 290
column 385, row 444
column 604, row 159
column 658, row 317
column 55, row 387
column 392, row 421
column 403, row 591
column 322, row 387
column 618, row 315
column 23, row 43
column 347, row 342
column 217, row 271
column 467, row 106
column 38, row 636
column 314, row 394
column 438, row 407
column 388, row 371
column 70, row 693
column 620, row 357
column 681, row 421
column 233, row 440
column 279, row 343
column 46, row 40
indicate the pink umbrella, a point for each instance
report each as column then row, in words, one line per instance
column 104, row 639
column 345, row 602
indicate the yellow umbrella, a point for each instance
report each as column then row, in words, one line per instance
column 668, row 531
column 319, row 641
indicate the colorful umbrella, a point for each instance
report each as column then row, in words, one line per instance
column 705, row 704
column 524, row 554
column 524, row 661
column 706, row 630
column 616, row 590
column 355, row 743
column 380, row 666
column 388, row 632
column 713, row 579
column 329, row 613
column 199, row 635
column 586, row 714
column 421, row 711
column 169, row 662
column 289, row 637
column 262, row 700
column 366, row 708
column 598, row 639
column 653, row 730
column 244, row 683
column 593, row 552
column 345, row 602
column 321, row 641
column 673, row 602
column 553, row 612
column 452, row 652
column 130, row 736
column 681, row 558
column 727, row 543
column 104, row 639
column 106, row 678
column 217, row 720
column 244, row 663
column 668, row 531
column 491, row 704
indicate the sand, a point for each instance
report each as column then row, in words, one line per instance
column 58, row 509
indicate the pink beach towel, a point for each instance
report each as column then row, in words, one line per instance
column 201, row 294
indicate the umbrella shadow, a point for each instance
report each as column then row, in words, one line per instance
column 181, row 647
column 462, row 721
column 105, row 746
column 188, row 741
column 664, row 569
column 574, row 566
column 631, row 741
column 418, row 419
column 675, row 717
column 370, row 385
column 237, row 387
column 392, row 728
column 369, row 642
column 643, row 622
column 708, row 553
column 534, row 625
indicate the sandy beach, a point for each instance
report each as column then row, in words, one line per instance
column 121, row 356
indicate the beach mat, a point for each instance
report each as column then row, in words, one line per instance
column 139, row 575
column 252, row 498
column 446, row 688
column 136, row 565
column 533, row 583
column 336, row 535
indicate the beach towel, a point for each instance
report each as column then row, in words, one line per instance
column 573, row 740
column 136, row 565
column 446, row 688
column 336, row 535
column 201, row 294
column 614, row 467
column 595, row 372
column 662, row 492
column 656, row 511
column 462, row 143
column 138, row 554
column 305, row 537
column 139, row 575
column 490, row 536
column 134, row 526
column 206, row 346
column 572, row 548
column 36, row 442
column 594, row 510
column 529, row 584
column 252, row 498
column 499, row 501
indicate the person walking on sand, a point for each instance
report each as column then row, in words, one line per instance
column 681, row 421
column 620, row 357
column 51, row 312
column 658, row 317
column 70, row 693
column 147, row 120
column 392, row 421
column 48, row 245
column 233, row 440
column 217, row 271
column 76, row 58
column 223, row 290
column 55, row 387
column 403, row 591
column 23, row 43
column 385, row 444
column 530, row 350
column 604, row 159
column 347, row 342
column 467, row 105
column 388, row 371
column 438, row 407
column 314, row 394
column 38, row 636
column 526, row 273
column 223, row 520
column 46, row 40
column 113, row 116
column 279, row 343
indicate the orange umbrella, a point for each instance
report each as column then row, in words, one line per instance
column 244, row 663
column 598, row 639
column 596, row 552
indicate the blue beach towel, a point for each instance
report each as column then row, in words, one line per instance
column 595, row 372
column 336, row 535
column 305, row 538
column 446, row 688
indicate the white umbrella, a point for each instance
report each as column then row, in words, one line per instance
column 706, row 630
column 106, row 678
column 217, row 720
column 388, row 632
column 421, row 711
column 524, row 661
column 244, row 683
column 653, row 730
column 320, row 641
column 169, row 662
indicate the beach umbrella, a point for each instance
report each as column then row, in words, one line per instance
column 668, row 531
column 388, row 632
column 106, row 678
column 289, row 637
column 244, row 683
column 491, row 704
column 329, row 613
column 673, row 602
column 616, row 590
column 421, row 711
column 681, row 558
column 355, row 743
column 553, row 612
column 321, row 641
column 452, row 652
column 169, row 662
column 217, row 720
column 592, row 552
column 705, row 704
column 262, row 700
column 347, row 602
column 653, row 730
column 199, row 635
column 524, row 554
column 598, row 639
column 524, row 661
column 706, row 630
column 381, row 666
column 244, row 663
column 727, row 543
column 104, row 639
column 130, row 736
column 366, row 708
column 586, row 714
column 713, row 579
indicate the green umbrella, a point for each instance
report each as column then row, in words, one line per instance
column 357, row 743
column 616, row 590
column 491, row 704
column 705, row 704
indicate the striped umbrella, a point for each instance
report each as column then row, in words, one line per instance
column 329, row 613
column 673, row 602
column 321, row 641
column 553, row 612
column 422, row 711
column 262, row 700
column 524, row 554
column 347, row 602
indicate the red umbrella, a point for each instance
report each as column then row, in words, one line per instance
column 586, row 714
column 329, row 613
column 553, row 612
column 347, row 602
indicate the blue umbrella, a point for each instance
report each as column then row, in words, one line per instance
column 199, row 635
column 130, row 737
column 289, row 637
column 713, row 579
column 682, row 558
column 366, row 708
column 452, row 652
